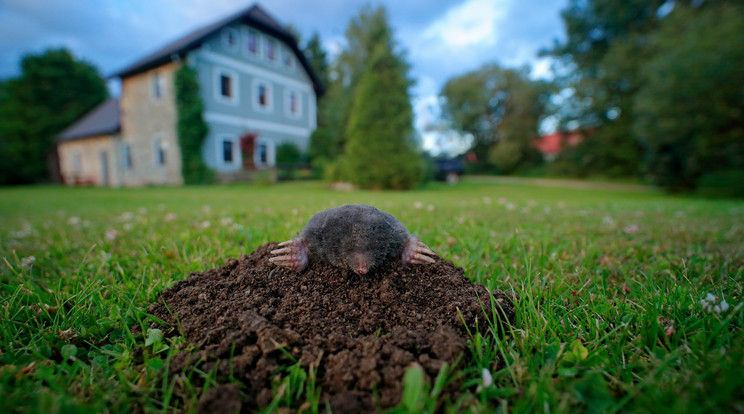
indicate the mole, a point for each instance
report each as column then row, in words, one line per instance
column 357, row 237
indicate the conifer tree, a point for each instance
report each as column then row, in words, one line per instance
column 379, row 151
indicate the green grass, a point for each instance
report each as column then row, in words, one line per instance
column 610, row 318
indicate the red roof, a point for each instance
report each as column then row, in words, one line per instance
column 558, row 141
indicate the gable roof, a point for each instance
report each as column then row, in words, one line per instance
column 253, row 16
column 100, row 121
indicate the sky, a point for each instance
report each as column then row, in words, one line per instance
column 442, row 39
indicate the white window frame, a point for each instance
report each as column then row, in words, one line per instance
column 157, row 86
column 287, row 103
column 269, row 107
column 270, row 153
column 237, row 159
column 160, row 144
column 234, row 99
column 236, row 37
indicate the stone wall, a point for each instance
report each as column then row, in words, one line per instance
column 148, row 119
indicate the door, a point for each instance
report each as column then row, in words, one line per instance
column 104, row 171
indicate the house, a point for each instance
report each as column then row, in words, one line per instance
column 258, row 90
column 551, row 145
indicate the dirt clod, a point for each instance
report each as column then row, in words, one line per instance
column 359, row 333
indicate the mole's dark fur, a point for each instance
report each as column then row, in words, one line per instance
column 356, row 237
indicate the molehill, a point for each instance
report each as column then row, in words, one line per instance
column 249, row 318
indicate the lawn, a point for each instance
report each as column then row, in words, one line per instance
column 630, row 301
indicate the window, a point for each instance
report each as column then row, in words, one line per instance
column 251, row 42
column 292, row 103
column 263, row 96
column 287, row 58
column 271, row 49
column 77, row 163
column 264, row 155
column 230, row 39
column 160, row 152
column 157, row 86
column 227, row 151
column 226, row 86
column 127, row 157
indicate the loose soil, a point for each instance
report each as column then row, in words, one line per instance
column 359, row 333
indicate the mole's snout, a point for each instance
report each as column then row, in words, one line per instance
column 359, row 263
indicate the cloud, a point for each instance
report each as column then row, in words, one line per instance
column 472, row 24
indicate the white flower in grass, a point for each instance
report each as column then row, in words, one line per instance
column 418, row 204
column 711, row 304
column 207, row 209
column 205, row 224
column 226, row 221
column 532, row 203
column 295, row 212
column 501, row 200
column 237, row 227
column 170, row 217
column 510, row 207
column 126, row 216
column 633, row 228
column 111, row 234
column 430, row 208
column 25, row 231
column 86, row 223
column 486, row 200
column 128, row 226
column 28, row 261
column 487, row 377
column 561, row 204
column 142, row 210
column 73, row 221
column 486, row 380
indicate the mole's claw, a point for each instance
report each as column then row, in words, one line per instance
column 416, row 252
column 419, row 258
column 294, row 256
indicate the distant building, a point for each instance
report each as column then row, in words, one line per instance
column 258, row 92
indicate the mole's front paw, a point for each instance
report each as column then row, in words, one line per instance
column 292, row 255
column 416, row 252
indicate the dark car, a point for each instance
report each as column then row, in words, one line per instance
column 448, row 169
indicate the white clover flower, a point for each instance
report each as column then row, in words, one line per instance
column 128, row 226
column 111, row 234
column 501, row 200
column 510, row 206
column 25, row 231
column 126, row 216
column 486, row 200
column 561, row 204
column 418, row 204
column 73, row 221
column 711, row 304
column 633, row 228
column 170, row 217
column 430, row 208
column 28, row 261
column 295, row 212
column 142, row 210
column 226, row 221
column 207, row 209
column 487, row 377
column 205, row 224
